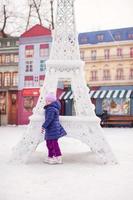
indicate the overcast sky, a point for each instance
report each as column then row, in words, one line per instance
column 93, row 15
column 103, row 14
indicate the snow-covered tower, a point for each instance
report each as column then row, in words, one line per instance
column 65, row 64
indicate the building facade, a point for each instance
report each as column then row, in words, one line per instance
column 8, row 80
column 108, row 57
column 34, row 49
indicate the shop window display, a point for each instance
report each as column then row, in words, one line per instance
column 28, row 103
column 116, row 106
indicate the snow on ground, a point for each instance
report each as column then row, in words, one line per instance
column 80, row 177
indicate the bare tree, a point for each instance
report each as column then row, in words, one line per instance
column 42, row 11
column 9, row 18
column 4, row 19
column 15, row 19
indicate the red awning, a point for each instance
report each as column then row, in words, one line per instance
column 28, row 78
column 41, row 77
column 44, row 46
column 28, row 47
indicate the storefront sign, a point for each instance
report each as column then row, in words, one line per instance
column 31, row 92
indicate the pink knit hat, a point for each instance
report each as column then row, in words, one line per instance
column 50, row 97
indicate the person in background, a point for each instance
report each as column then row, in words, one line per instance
column 104, row 118
column 52, row 129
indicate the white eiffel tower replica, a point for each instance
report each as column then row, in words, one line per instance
column 65, row 64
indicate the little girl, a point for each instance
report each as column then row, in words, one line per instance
column 53, row 129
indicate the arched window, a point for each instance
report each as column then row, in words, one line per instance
column 131, row 73
column 119, row 74
column 94, row 75
column 106, row 74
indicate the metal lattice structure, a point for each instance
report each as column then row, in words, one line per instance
column 65, row 64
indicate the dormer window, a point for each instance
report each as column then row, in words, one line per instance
column 100, row 37
column 130, row 35
column 117, row 36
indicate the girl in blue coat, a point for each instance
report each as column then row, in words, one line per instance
column 53, row 129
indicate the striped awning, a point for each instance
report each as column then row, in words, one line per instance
column 100, row 94
column 66, row 95
column 111, row 94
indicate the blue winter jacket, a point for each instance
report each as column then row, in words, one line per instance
column 52, row 126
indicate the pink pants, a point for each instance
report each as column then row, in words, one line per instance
column 53, row 148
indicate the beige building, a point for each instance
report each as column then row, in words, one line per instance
column 109, row 63
column 108, row 57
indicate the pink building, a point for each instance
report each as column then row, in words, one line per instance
column 34, row 48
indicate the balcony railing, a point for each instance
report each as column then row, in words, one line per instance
column 107, row 59
column 116, row 78
column 130, row 77
column 106, row 78
column 120, row 78
column 9, row 64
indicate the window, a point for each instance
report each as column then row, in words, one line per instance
column 94, row 76
column 106, row 74
column 131, row 52
column 7, row 79
column 29, row 51
column 8, row 43
column 3, row 102
column 116, row 106
column 11, row 58
column 41, row 80
column 130, row 35
column 16, row 58
column 29, row 66
column 17, row 42
column 100, row 37
column 3, row 58
column 119, row 74
column 42, row 65
column 131, row 74
column 0, row 59
column 117, row 36
column 106, row 53
column 0, row 79
column 82, row 55
column 28, row 81
column 36, row 81
column 7, row 59
column 84, row 40
column 119, row 52
column 14, row 78
column 93, row 54
column 44, row 50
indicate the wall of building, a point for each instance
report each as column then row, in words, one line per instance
column 8, row 80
